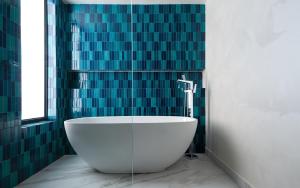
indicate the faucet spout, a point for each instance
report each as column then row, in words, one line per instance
column 188, row 82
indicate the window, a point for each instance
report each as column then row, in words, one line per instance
column 33, row 56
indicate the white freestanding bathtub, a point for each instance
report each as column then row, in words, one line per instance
column 131, row 144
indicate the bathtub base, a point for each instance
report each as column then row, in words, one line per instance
column 124, row 144
column 130, row 171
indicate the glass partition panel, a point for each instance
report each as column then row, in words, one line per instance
column 168, row 56
column 100, row 82
column 138, row 67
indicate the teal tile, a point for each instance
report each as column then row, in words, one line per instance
column 5, row 168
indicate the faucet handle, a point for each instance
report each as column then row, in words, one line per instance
column 195, row 88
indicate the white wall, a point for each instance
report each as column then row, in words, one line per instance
column 253, row 75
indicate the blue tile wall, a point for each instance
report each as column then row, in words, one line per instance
column 165, row 37
column 101, row 94
column 168, row 37
column 157, row 93
column 158, row 43
column 168, row 40
column 26, row 150
column 10, row 72
column 59, row 76
column 101, row 37
column 58, row 91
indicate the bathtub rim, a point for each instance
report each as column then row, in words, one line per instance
column 75, row 121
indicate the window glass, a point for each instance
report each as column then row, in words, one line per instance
column 33, row 58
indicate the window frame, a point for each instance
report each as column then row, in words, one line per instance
column 45, row 117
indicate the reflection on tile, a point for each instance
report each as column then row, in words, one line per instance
column 72, row 172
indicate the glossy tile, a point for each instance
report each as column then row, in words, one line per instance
column 136, row 37
column 25, row 151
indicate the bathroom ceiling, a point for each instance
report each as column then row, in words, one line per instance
column 134, row 1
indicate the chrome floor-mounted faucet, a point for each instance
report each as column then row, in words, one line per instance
column 189, row 90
